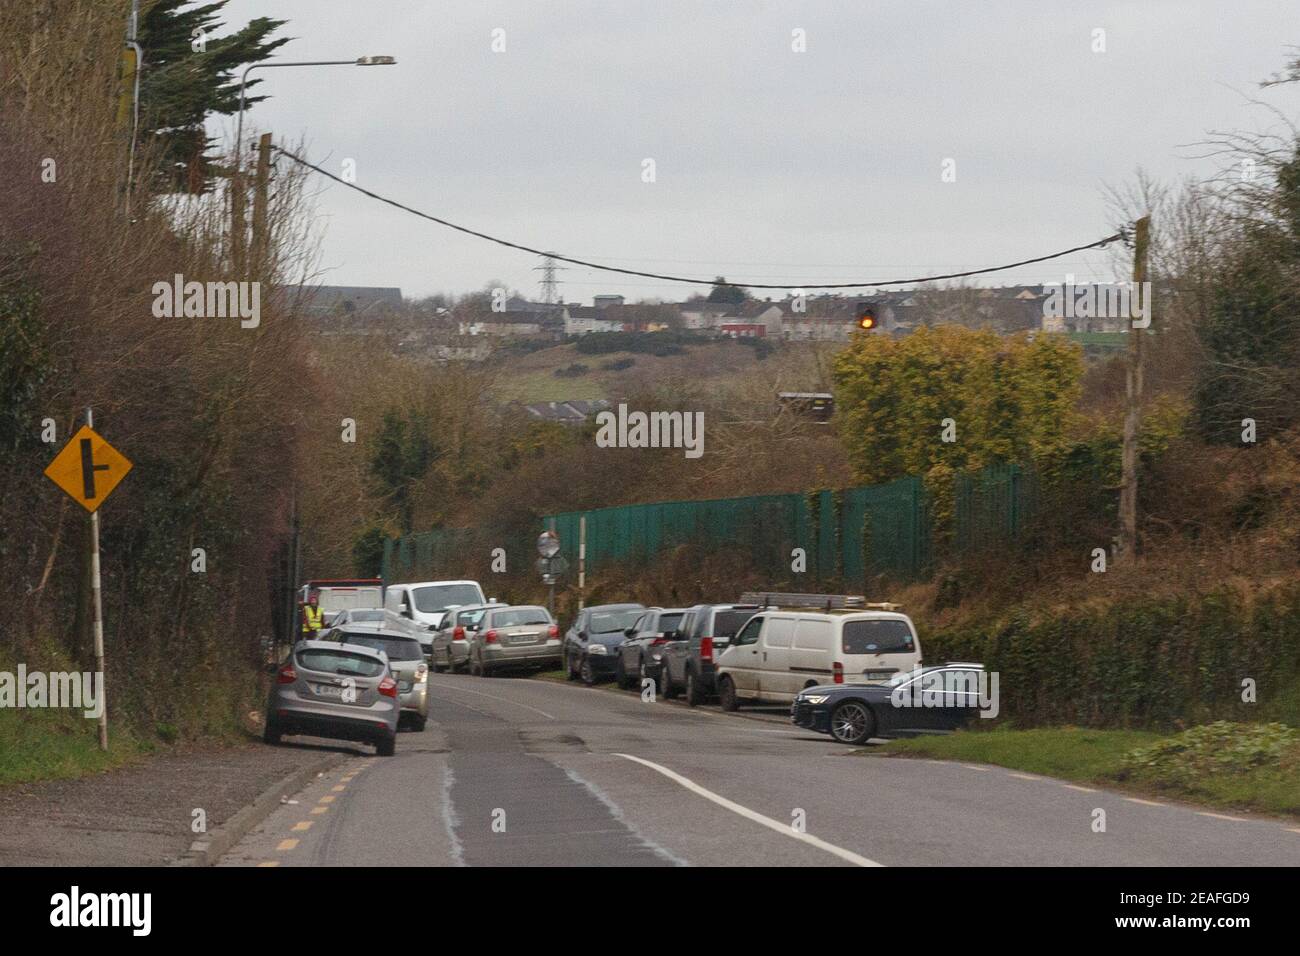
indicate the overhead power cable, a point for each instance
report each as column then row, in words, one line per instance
column 1121, row 235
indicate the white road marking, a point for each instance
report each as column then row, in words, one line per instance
column 505, row 700
column 616, row 812
column 1145, row 803
column 1075, row 786
column 1222, row 816
column 971, row 766
column 1023, row 776
column 449, row 818
column 755, row 816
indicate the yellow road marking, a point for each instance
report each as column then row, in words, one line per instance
column 325, row 800
column 304, row 825
column 269, row 863
column 320, row 809
column 287, row 844
column 340, row 788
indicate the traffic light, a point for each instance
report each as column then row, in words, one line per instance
column 866, row 317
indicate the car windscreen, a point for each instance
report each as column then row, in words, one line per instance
column 343, row 663
column 397, row 648
column 878, row 637
column 470, row 618
column 439, row 597
column 366, row 614
column 727, row 623
column 520, row 616
column 343, row 599
column 607, row 622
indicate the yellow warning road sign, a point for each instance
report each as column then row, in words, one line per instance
column 88, row 468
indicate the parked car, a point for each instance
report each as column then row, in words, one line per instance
column 426, row 602
column 449, row 649
column 925, row 701
column 328, row 689
column 405, row 660
column 639, row 656
column 591, row 643
column 687, row 662
column 523, row 635
column 784, row 650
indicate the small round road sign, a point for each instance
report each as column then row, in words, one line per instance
column 548, row 544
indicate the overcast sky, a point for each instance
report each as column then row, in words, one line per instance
column 771, row 165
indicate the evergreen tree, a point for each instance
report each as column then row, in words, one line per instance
column 189, row 75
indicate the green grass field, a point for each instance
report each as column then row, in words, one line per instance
column 57, row 744
column 1270, row 784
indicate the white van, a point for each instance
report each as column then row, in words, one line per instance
column 425, row 602
column 783, row 650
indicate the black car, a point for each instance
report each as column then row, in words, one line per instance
column 925, row 701
column 687, row 662
column 641, row 652
column 590, row 646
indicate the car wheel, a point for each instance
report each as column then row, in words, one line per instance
column 586, row 673
column 694, row 692
column 667, row 689
column 852, row 722
column 386, row 746
column 620, row 674
column 727, row 694
column 271, row 734
column 435, row 666
column 569, row 673
column 419, row 723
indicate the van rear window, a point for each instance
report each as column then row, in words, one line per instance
column 727, row 623
column 878, row 637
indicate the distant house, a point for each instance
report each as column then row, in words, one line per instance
column 566, row 413
column 743, row 330
column 585, row 319
column 348, row 307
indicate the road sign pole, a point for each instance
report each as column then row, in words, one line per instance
column 582, row 560
column 98, row 604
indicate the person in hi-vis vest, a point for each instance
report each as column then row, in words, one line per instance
column 312, row 617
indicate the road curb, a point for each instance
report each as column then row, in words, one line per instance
column 215, row 844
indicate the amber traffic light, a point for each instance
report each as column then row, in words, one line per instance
column 866, row 317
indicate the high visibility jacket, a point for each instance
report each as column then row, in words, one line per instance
column 312, row 619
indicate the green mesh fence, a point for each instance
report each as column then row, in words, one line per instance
column 849, row 537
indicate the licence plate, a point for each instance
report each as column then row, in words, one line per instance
column 880, row 675
column 524, row 639
column 404, row 687
column 327, row 690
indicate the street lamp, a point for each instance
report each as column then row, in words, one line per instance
column 243, row 82
column 237, row 180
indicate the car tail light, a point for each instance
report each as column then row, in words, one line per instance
column 287, row 674
column 388, row 687
column 706, row 649
column 838, row 670
column 659, row 639
column 552, row 632
column 490, row 637
column 458, row 634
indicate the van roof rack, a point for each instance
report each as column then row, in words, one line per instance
column 787, row 599
column 826, row 602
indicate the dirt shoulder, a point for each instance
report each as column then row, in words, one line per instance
column 139, row 815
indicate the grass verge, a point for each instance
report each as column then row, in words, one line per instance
column 52, row 744
column 1265, row 778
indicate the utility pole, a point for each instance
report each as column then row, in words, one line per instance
column 260, row 184
column 1127, row 549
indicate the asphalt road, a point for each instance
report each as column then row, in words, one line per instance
column 531, row 772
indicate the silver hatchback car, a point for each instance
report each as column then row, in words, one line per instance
column 523, row 635
column 405, row 661
column 328, row 689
